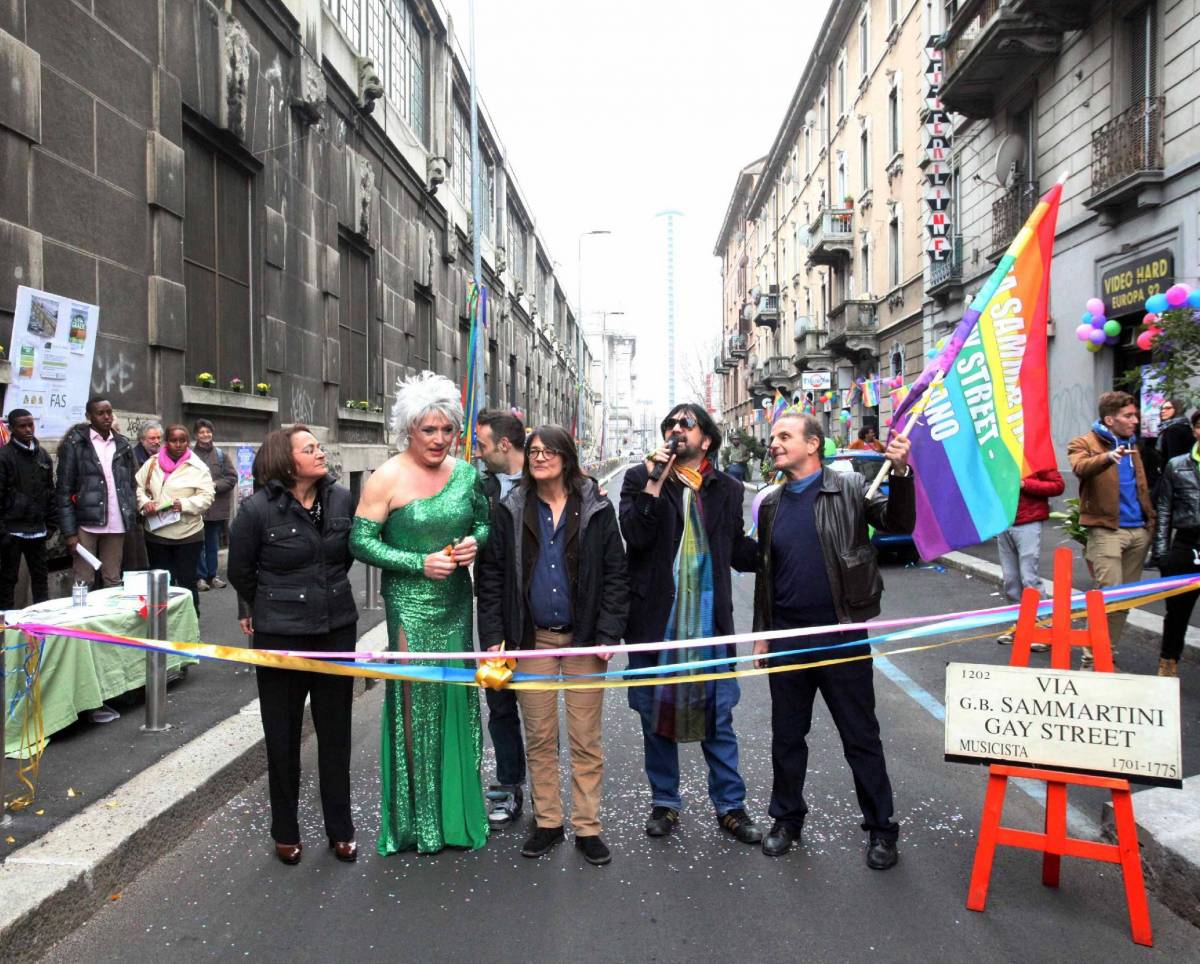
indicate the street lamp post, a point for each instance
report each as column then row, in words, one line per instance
column 579, row 289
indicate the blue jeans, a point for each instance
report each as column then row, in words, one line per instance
column 726, row 788
column 737, row 470
column 206, row 568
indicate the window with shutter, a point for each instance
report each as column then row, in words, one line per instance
column 353, row 312
column 1143, row 61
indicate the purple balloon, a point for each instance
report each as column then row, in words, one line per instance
column 1098, row 321
column 1177, row 295
column 1095, row 306
column 1097, row 336
column 1112, row 340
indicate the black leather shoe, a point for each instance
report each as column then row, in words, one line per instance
column 779, row 841
column 737, row 823
column 881, row 854
column 663, row 820
column 594, row 850
column 542, row 841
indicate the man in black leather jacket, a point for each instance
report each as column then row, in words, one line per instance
column 797, row 587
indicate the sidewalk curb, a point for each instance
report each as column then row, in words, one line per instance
column 56, row 883
column 1146, row 625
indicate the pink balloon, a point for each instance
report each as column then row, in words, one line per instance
column 1095, row 306
column 1149, row 320
column 1084, row 332
column 1144, row 340
column 1177, row 295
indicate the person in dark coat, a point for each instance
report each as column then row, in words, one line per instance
column 289, row 555
column 95, row 492
column 818, row 568
column 1176, row 547
column 553, row 575
column 28, row 512
column 501, row 447
column 216, row 519
column 150, row 440
column 654, row 516
column 1174, row 432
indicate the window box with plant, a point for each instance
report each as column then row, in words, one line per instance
column 263, row 389
column 236, row 384
column 206, row 380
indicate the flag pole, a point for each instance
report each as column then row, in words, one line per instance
column 918, row 410
column 475, row 363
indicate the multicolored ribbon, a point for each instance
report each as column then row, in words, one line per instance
column 368, row 665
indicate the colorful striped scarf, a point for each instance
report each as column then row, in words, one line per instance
column 681, row 712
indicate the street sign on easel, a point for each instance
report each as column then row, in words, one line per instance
column 1054, row 843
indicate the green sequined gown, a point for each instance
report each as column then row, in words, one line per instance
column 431, row 792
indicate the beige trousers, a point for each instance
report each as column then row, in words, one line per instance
column 1116, row 557
column 585, row 708
column 109, row 548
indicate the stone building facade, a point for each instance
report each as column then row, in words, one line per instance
column 1106, row 92
column 828, row 264
column 273, row 190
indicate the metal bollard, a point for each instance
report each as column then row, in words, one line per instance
column 374, row 575
column 5, row 817
column 157, row 595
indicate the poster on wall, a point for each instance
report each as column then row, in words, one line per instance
column 51, row 348
column 245, row 471
column 1151, row 401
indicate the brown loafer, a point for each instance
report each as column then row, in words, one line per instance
column 289, row 853
column 345, row 850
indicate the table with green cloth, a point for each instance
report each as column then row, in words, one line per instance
column 78, row 675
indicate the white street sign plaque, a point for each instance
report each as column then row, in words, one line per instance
column 1111, row 724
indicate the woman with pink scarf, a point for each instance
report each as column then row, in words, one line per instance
column 173, row 491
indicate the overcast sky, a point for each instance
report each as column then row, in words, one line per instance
column 614, row 111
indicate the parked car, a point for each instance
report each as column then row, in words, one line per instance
column 867, row 464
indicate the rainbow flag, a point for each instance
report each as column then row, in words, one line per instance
column 870, row 391
column 473, row 394
column 897, row 395
column 781, row 405
column 983, row 419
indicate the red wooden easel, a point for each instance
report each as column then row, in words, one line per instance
column 1054, row 844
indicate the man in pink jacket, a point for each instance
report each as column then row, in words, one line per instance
column 1020, row 545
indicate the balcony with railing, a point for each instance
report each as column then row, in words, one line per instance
column 720, row 364
column 1009, row 212
column 1127, row 157
column 831, row 236
column 766, row 311
column 758, row 383
column 780, row 367
column 993, row 46
column 738, row 346
column 852, row 328
column 811, row 352
column 945, row 276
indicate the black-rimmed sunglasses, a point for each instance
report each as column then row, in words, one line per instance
column 685, row 422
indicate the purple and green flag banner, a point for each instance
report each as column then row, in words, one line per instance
column 978, row 417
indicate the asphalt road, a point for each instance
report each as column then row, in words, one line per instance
column 694, row 896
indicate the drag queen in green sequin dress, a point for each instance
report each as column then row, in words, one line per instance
column 413, row 507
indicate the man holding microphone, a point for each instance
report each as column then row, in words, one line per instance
column 1114, row 500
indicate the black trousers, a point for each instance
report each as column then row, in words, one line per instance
column 179, row 559
column 11, row 551
column 1183, row 558
column 849, row 692
column 504, row 727
column 281, row 694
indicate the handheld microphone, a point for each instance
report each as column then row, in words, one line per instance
column 659, row 467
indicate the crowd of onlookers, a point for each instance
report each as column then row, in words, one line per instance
column 162, row 502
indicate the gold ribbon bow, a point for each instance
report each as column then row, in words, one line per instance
column 497, row 673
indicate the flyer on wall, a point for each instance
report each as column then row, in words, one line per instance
column 52, row 347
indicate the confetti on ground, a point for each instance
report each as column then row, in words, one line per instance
column 71, row 791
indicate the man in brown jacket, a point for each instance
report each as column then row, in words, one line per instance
column 1114, row 500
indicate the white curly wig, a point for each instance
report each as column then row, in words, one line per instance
column 423, row 395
